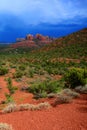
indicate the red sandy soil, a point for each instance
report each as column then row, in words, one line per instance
column 19, row 96
column 71, row 116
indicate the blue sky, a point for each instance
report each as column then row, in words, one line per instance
column 49, row 17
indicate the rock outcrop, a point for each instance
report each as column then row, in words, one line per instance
column 32, row 41
column 29, row 37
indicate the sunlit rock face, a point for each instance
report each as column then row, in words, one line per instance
column 29, row 37
column 40, row 37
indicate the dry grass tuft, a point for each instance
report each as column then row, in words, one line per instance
column 44, row 105
column 81, row 89
column 22, row 107
column 10, row 108
column 32, row 107
column 62, row 99
column 5, row 126
column 69, row 92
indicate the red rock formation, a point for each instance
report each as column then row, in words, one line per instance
column 38, row 36
column 31, row 41
column 41, row 37
column 29, row 37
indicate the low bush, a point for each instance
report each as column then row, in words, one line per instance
column 22, row 67
column 75, row 77
column 5, row 126
column 43, row 88
column 18, row 74
column 3, row 70
column 53, row 86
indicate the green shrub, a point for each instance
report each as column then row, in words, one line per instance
column 75, row 77
column 11, row 90
column 8, row 98
column 10, row 86
column 37, row 88
column 31, row 73
column 18, row 74
column 53, row 86
column 22, row 67
column 3, row 70
column 41, row 89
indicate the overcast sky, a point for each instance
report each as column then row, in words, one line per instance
column 52, row 11
column 25, row 12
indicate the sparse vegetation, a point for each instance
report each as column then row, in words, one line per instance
column 31, row 73
column 3, row 70
column 49, row 69
column 18, row 74
column 11, row 90
column 22, row 107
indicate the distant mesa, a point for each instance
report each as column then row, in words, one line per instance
column 32, row 41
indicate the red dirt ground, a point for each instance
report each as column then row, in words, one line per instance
column 19, row 96
column 71, row 116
